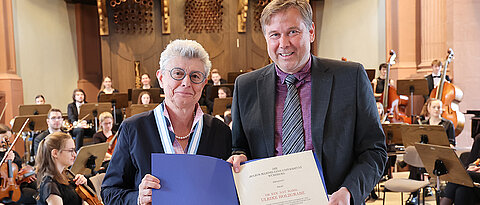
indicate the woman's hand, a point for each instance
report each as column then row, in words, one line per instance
column 80, row 179
column 148, row 183
column 10, row 156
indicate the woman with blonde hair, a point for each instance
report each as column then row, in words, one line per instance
column 106, row 134
column 106, row 87
column 55, row 154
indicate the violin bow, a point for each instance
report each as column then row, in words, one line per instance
column 3, row 111
column 14, row 141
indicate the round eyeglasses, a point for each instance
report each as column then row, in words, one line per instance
column 196, row 77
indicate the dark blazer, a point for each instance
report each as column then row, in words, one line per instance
column 72, row 112
column 347, row 136
column 138, row 138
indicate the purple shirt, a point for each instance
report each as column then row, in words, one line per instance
column 304, row 85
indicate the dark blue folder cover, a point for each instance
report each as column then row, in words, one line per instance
column 193, row 179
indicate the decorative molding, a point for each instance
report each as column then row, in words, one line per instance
column 102, row 17
column 242, row 16
column 165, row 17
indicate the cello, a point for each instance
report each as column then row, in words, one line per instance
column 393, row 104
column 450, row 95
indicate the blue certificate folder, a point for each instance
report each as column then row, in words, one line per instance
column 193, row 179
column 196, row 179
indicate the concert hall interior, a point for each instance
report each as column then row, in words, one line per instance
column 105, row 54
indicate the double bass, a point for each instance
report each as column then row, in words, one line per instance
column 450, row 95
column 393, row 104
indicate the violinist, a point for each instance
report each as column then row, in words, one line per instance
column 434, row 78
column 80, row 127
column 105, row 134
column 458, row 194
column 55, row 153
column 27, row 189
column 54, row 122
column 379, row 83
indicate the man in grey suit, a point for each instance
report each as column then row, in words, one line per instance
column 339, row 116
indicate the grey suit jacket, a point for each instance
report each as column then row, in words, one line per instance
column 347, row 135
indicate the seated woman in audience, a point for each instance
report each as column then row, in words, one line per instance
column 27, row 188
column 39, row 99
column 146, row 81
column 144, row 98
column 55, row 154
column 224, row 92
column 105, row 134
column 106, row 87
column 458, row 194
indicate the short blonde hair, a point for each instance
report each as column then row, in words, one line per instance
column 277, row 6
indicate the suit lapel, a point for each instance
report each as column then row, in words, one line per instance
column 266, row 100
column 322, row 80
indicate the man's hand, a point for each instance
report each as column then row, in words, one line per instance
column 235, row 160
column 149, row 182
column 341, row 197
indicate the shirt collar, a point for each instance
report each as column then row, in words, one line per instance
column 196, row 118
column 300, row 75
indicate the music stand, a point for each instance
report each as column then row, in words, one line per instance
column 89, row 158
column 214, row 90
column 154, row 95
column 220, row 105
column 93, row 110
column 412, row 87
column 139, row 108
column 425, row 134
column 118, row 100
column 37, row 123
column 442, row 162
column 393, row 133
column 34, row 109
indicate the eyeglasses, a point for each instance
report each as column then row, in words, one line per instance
column 72, row 151
column 179, row 74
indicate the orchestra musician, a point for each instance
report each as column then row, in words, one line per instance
column 105, row 134
column 184, row 65
column 144, row 98
column 432, row 113
column 146, row 81
column 459, row 194
column 379, row 83
column 55, row 154
column 27, row 189
column 39, row 99
column 337, row 107
column 80, row 128
column 224, row 92
column 54, row 123
column 216, row 78
column 434, row 79
column 106, row 87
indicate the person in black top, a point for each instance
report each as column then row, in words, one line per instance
column 106, row 87
column 80, row 128
column 432, row 110
column 146, row 81
column 458, row 194
column 27, row 189
column 54, row 122
column 434, row 78
column 379, row 83
column 55, row 154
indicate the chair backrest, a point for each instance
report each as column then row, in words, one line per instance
column 411, row 157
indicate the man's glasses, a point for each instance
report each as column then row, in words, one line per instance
column 196, row 77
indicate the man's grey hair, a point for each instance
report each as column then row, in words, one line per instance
column 277, row 6
column 187, row 49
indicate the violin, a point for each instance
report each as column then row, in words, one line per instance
column 450, row 95
column 393, row 104
column 86, row 193
column 9, row 171
column 26, row 174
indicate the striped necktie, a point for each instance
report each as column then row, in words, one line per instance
column 292, row 122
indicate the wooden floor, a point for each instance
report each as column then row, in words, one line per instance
column 394, row 198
